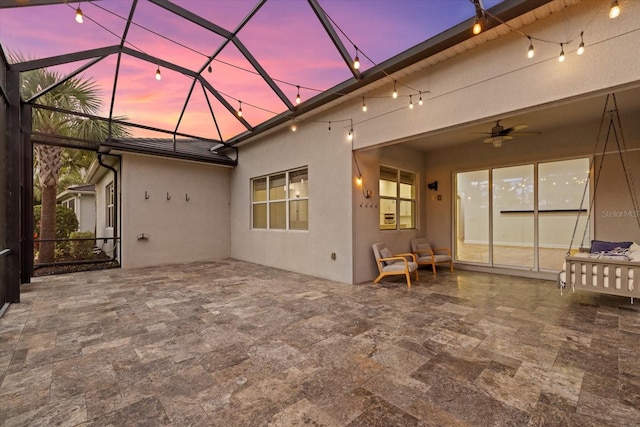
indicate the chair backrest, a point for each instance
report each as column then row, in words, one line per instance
column 420, row 244
column 376, row 250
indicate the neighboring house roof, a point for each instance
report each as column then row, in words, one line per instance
column 75, row 190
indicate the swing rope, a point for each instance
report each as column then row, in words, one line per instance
column 615, row 126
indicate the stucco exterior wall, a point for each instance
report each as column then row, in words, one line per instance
column 178, row 230
column 327, row 154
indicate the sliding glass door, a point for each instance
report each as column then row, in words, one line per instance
column 521, row 216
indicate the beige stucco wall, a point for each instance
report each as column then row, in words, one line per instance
column 327, row 154
column 178, row 230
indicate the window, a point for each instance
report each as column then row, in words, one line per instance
column 71, row 204
column 397, row 199
column 110, row 198
column 281, row 201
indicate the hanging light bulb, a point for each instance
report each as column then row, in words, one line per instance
column 420, row 99
column 364, row 106
column 298, row 95
column 329, row 125
column 158, row 75
column 530, row 52
column 477, row 27
column 581, row 47
column 561, row 57
column 614, row 11
column 239, row 108
column 79, row 17
column 395, row 92
column 359, row 180
column 294, row 126
column 350, row 135
column 356, row 60
column 209, row 69
column 410, row 102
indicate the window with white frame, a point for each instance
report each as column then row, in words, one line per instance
column 281, row 201
column 109, row 199
column 397, row 190
column 70, row 203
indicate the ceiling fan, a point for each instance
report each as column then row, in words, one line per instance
column 500, row 134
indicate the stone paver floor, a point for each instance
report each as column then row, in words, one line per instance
column 230, row 343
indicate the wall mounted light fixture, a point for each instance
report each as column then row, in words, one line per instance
column 433, row 186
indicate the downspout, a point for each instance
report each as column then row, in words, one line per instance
column 115, row 205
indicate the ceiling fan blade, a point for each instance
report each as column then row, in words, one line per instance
column 525, row 133
column 518, row 127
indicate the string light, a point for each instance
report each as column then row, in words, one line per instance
column 561, row 57
column 364, row 106
column 329, row 125
column 420, row 99
column 298, row 95
column 158, row 75
column 477, row 27
column 395, row 91
column 410, row 102
column 79, row 17
column 209, row 69
column 356, row 60
column 239, row 108
column 614, row 11
column 294, row 126
column 359, row 180
column 530, row 52
column 350, row 135
column 581, row 47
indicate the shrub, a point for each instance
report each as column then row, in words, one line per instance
column 82, row 249
column 66, row 223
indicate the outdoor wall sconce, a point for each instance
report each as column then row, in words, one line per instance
column 143, row 236
column 433, row 186
column 146, row 195
column 186, row 197
column 168, row 196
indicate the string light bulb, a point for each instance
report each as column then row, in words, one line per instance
column 209, row 69
column 79, row 17
column 298, row 95
column 239, row 109
column 395, row 91
column 364, row 106
column 561, row 57
column 477, row 27
column 359, row 180
column 329, row 125
column 614, row 11
column 420, row 99
column 294, row 126
column 581, row 47
column 411, row 102
column 356, row 60
column 350, row 135
column 158, row 75
column 530, row 52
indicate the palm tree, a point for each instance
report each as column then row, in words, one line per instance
column 75, row 94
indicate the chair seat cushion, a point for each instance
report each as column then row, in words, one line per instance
column 399, row 266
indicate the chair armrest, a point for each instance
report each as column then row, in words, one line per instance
column 393, row 258
column 410, row 255
column 430, row 253
column 447, row 250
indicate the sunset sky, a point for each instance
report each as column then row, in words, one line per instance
column 284, row 36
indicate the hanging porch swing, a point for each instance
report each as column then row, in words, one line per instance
column 606, row 267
